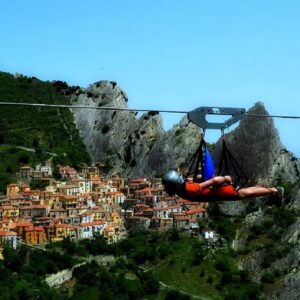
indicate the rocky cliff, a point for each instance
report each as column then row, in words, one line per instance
column 256, row 145
column 127, row 144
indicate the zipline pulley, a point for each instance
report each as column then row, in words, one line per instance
column 198, row 116
column 201, row 162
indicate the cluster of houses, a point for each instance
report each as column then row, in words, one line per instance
column 147, row 207
column 84, row 204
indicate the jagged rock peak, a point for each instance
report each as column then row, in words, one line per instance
column 106, row 90
column 257, row 147
column 258, row 108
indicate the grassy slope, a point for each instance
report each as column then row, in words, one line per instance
column 42, row 129
column 212, row 277
column 178, row 272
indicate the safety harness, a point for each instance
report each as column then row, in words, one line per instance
column 199, row 164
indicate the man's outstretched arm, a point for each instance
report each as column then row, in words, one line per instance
column 218, row 180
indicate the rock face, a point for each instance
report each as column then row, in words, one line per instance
column 126, row 144
column 256, row 145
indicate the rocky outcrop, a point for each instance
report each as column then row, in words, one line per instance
column 256, row 145
column 257, row 148
column 127, row 144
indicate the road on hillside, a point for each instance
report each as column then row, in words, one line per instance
column 163, row 285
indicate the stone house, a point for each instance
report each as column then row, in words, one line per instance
column 111, row 233
column 87, row 230
column 9, row 212
column 25, row 174
column 62, row 231
column 137, row 223
column 162, row 223
column 12, row 188
column 84, row 185
column 113, row 198
column 68, row 189
column 8, row 238
column 166, row 212
column 58, row 213
column 35, row 235
column 208, row 233
column 34, row 211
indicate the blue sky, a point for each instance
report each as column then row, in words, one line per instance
column 176, row 55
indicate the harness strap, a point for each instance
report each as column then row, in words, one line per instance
column 196, row 162
column 228, row 156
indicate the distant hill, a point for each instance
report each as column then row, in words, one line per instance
column 45, row 131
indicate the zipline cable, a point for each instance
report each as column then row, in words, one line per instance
column 92, row 107
column 133, row 109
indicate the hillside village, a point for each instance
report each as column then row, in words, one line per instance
column 86, row 203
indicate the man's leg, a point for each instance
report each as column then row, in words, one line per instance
column 256, row 191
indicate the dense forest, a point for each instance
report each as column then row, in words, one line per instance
column 29, row 135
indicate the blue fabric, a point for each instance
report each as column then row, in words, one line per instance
column 209, row 169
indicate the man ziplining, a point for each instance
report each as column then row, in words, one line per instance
column 218, row 188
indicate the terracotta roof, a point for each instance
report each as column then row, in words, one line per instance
column 7, row 233
column 28, row 194
column 9, row 207
column 24, row 224
column 181, row 200
column 100, row 222
column 63, row 226
column 39, row 206
column 174, row 207
column 68, row 186
column 178, row 214
column 86, row 213
column 35, row 228
column 148, row 189
column 115, row 194
column 15, row 196
column 141, row 205
column 160, row 208
column 195, row 211
column 137, row 180
column 190, row 203
column 97, row 209
column 69, row 197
